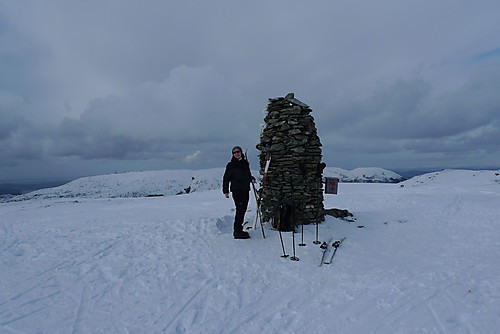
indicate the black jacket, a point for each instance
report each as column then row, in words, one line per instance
column 238, row 174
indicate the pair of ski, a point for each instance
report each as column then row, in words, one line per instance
column 328, row 250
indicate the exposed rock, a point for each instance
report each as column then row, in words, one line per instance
column 338, row 213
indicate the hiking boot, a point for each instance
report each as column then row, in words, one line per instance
column 241, row 235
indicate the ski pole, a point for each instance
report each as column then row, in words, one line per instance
column 302, row 243
column 316, row 242
column 283, row 246
column 293, row 258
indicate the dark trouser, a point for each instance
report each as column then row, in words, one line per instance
column 241, row 199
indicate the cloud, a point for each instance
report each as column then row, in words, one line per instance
column 20, row 138
column 112, row 82
column 192, row 105
column 10, row 121
column 192, row 157
column 412, row 111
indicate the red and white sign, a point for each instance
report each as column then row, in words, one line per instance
column 332, row 185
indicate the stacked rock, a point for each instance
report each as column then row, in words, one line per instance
column 290, row 138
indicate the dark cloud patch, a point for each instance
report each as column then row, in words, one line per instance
column 409, row 110
column 193, row 106
column 21, row 142
column 20, row 139
column 412, row 115
column 495, row 53
column 10, row 124
column 483, row 139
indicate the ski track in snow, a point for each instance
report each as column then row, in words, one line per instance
column 426, row 261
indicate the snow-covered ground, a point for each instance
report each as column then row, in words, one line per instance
column 426, row 261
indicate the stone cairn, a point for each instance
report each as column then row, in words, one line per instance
column 289, row 136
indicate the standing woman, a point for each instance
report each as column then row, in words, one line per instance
column 238, row 174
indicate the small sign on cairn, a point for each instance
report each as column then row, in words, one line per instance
column 331, row 185
column 295, row 172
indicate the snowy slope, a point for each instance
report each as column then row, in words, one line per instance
column 426, row 261
column 174, row 182
column 135, row 184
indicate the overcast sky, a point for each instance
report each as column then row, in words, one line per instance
column 92, row 87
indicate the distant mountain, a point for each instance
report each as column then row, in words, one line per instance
column 26, row 186
column 176, row 182
column 364, row 175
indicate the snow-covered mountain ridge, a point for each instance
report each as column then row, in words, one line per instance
column 176, row 182
column 363, row 175
column 454, row 177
